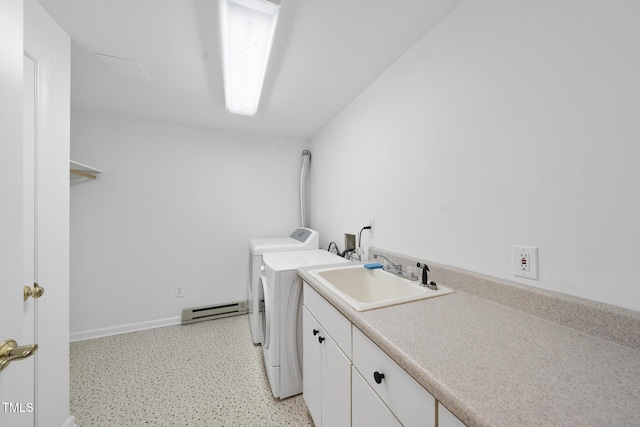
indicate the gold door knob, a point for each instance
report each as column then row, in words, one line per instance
column 36, row 292
column 10, row 351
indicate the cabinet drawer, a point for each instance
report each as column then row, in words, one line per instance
column 407, row 399
column 332, row 321
column 366, row 407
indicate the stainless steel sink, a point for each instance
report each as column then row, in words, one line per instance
column 365, row 289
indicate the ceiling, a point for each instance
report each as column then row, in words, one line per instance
column 324, row 54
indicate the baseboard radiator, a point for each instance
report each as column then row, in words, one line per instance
column 210, row 312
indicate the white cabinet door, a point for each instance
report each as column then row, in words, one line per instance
column 336, row 384
column 408, row 400
column 366, row 407
column 326, row 344
column 446, row 418
column 311, row 366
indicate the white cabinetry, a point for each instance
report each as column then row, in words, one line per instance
column 373, row 391
column 311, row 365
column 326, row 361
column 408, row 400
column 366, row 407
column 446, row 418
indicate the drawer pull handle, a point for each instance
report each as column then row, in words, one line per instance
column 315, row 332
column 320, row 339
column 378, row 377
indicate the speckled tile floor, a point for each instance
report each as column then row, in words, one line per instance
column 203, row 374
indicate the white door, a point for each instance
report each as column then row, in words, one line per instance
column 16, row 318
column 18, row 407
column 15, row 386
column 34, row 390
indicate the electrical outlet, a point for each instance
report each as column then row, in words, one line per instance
column 371, row 222
column 525, row 261
column 525, row 265
column 179, row 291
column 349, row 241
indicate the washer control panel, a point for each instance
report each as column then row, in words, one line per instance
column 302, row 234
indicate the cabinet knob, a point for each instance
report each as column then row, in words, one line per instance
column 320, row 339
column 315, row 332
column 378, row 377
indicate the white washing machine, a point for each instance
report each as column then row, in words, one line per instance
column 301, row 239
column 282, row 346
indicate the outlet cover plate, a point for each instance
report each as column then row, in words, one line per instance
column 525, row 261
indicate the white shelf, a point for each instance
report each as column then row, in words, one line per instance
column 80, row 172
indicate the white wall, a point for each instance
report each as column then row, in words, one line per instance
column 176, row 205
column 512, row 122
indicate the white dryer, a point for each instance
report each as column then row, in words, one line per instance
column 282, row 346
column 301, row 239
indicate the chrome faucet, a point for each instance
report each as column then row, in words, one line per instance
column 396, row 269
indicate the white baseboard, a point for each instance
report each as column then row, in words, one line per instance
column 123, row 329
column 70, row 422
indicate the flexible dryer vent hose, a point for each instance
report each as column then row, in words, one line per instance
column 306, row 159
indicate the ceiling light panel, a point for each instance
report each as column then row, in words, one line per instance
column 247, row 30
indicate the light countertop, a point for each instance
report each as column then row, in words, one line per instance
column 492, row 365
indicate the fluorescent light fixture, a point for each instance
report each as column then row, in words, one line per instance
column 248, row 27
